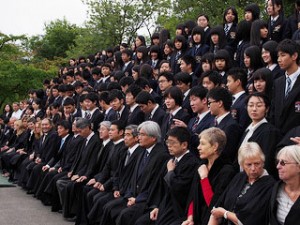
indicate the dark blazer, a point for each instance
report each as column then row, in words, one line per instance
column 239, row 112
column 136, row 117
column 276, row 31
column 86, row 162
column 277, row 72
column 177, row 185
column 231, row 37
column 252, row 207
column 219, row 177
column 286, row 140
column 157, row 117
column 57, row 157
column 49, row 148
column 285, row 113
column 197, row 54
column 69, row 155
column 157, row 97
column 128, row 69
column 267, row 137
column 202, row 125
column 106, row 175
column 96, row 119
column 180, row 115
column 110, row 116
column 187, row 106
column 233, row 134
column 292, row 217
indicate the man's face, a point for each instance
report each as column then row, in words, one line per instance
column 15, row 107
column 114, row 133
column 84, row 132
column 145, row 140
column 69, row 109
column 62, row 132
column 89, row 104
column 46, row 126
column 103, row 132
column 285, row 60
column 117, row 104
column 129, row 139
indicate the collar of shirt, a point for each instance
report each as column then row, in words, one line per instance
column 254, row 127
column 229, row 25
column 237, row 95
column 202, row 115
column 272, row 67
column 105, row 78
column 150, row 149
column 205, row 29
column 76, row 135
column 64, row 138
column 154, row 110
column 294, row 76
column 176, row 111
column 107, row 111
column 126, row 64
column 274, row 19
column 132, row 108
column 180, row 157
column 83, row 112
column 186, row 93
column 92, row 112
column 219, row 119
column 74, row 113
column 119, row 141
column 133, row 148
column 89, row 137
column 222, row 73
column 105, row 142
column 121, row 111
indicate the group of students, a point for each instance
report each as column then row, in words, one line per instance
column 191, row 131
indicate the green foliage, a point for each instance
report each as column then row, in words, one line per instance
column 58, row 39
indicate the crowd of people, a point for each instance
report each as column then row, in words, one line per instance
column 201, row 129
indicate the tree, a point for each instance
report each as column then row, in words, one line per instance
column 58, row 39
column 114, row 21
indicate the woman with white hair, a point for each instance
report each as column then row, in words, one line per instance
column 246, row 199
column 285, row 198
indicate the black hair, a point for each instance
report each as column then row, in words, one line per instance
column 254, row 53
column 142, row 39
column 180, row 133
column 289, row 46
column 259, row 95
column 198, row 91
column 218, row 30
column 175, row 93
column 142, row 82
column 198, row 30
column 144, row 97
column 190, row 24
column 238, row 74
column 243, row 31
column 114, row 86
column 235, row 13
column 127, row 52
column 169, row 76
column 213, row 76
column 104, row 96
column 144, row 51
column 184, row 78
column 224, row 54
column 126, row 81
column 92, row 97
column 134, row 90
column 208, row 58
column 146, row 71
column 189, row 60
column 271, row 46
column 255, row 38
column 182, row 39
column 69, row 101
column 254, row 9
column 120, row 124
column 221, row 94
column 65, row 124
column 266, row 75
column 115, row 94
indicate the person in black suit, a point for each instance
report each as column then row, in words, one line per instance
column 136, row 116
column 63, row 131
column 145, row 179
column 111, row 187
column 203, row 22
column 285, row 111
column 92, row 112
column 236, row 84
column 173, row 100
column 184, row 82
column 187, row 65
column 145, row 85
column 116, row 100
column 70, row 111
column 48, row 148
column 150, row 108
column 230, row 22
column 109, row 113
column 126, row 58
column 106, row 73
column 84, row 167
column 219, row 102
column 201, row 121
column 177, row 181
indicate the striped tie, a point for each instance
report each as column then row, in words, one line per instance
column 288, row 87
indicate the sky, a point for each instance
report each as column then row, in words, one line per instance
column 29, row 16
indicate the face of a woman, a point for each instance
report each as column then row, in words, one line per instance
column 266, row 56
column 170, row 103
column 263, row 32
column 290, row 170
column 167, row 50
column 138, row 42
column 253, row 167
column 256, row 109
column 215, row 39
column 248, row 16
column 229, row 17
column 273, row 11
column 260, row 85
column 178, row 45
column 247, row 61
column 202, row 22
column 206, row 150
column 7, row 108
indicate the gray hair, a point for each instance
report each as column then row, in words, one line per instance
column 292, row 152
column 152, row 129
column 134, row 129
column 250, row 150
column 215, row 135
column 106, row 124
column 82, row 123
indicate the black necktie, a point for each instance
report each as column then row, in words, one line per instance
column 195, row 124
column 127, row 158
column 118, row 116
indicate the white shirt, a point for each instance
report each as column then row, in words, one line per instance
column 89, row 137
column 17, row 114
column 293, row 78
column 219, row 119
column 236, row 96
column 133, row 148
column 251, row 128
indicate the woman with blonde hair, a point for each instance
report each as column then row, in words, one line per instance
column 285, row 198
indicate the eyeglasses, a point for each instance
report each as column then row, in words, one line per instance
column 209, row 102
column 283, row 163
column 171, row 142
